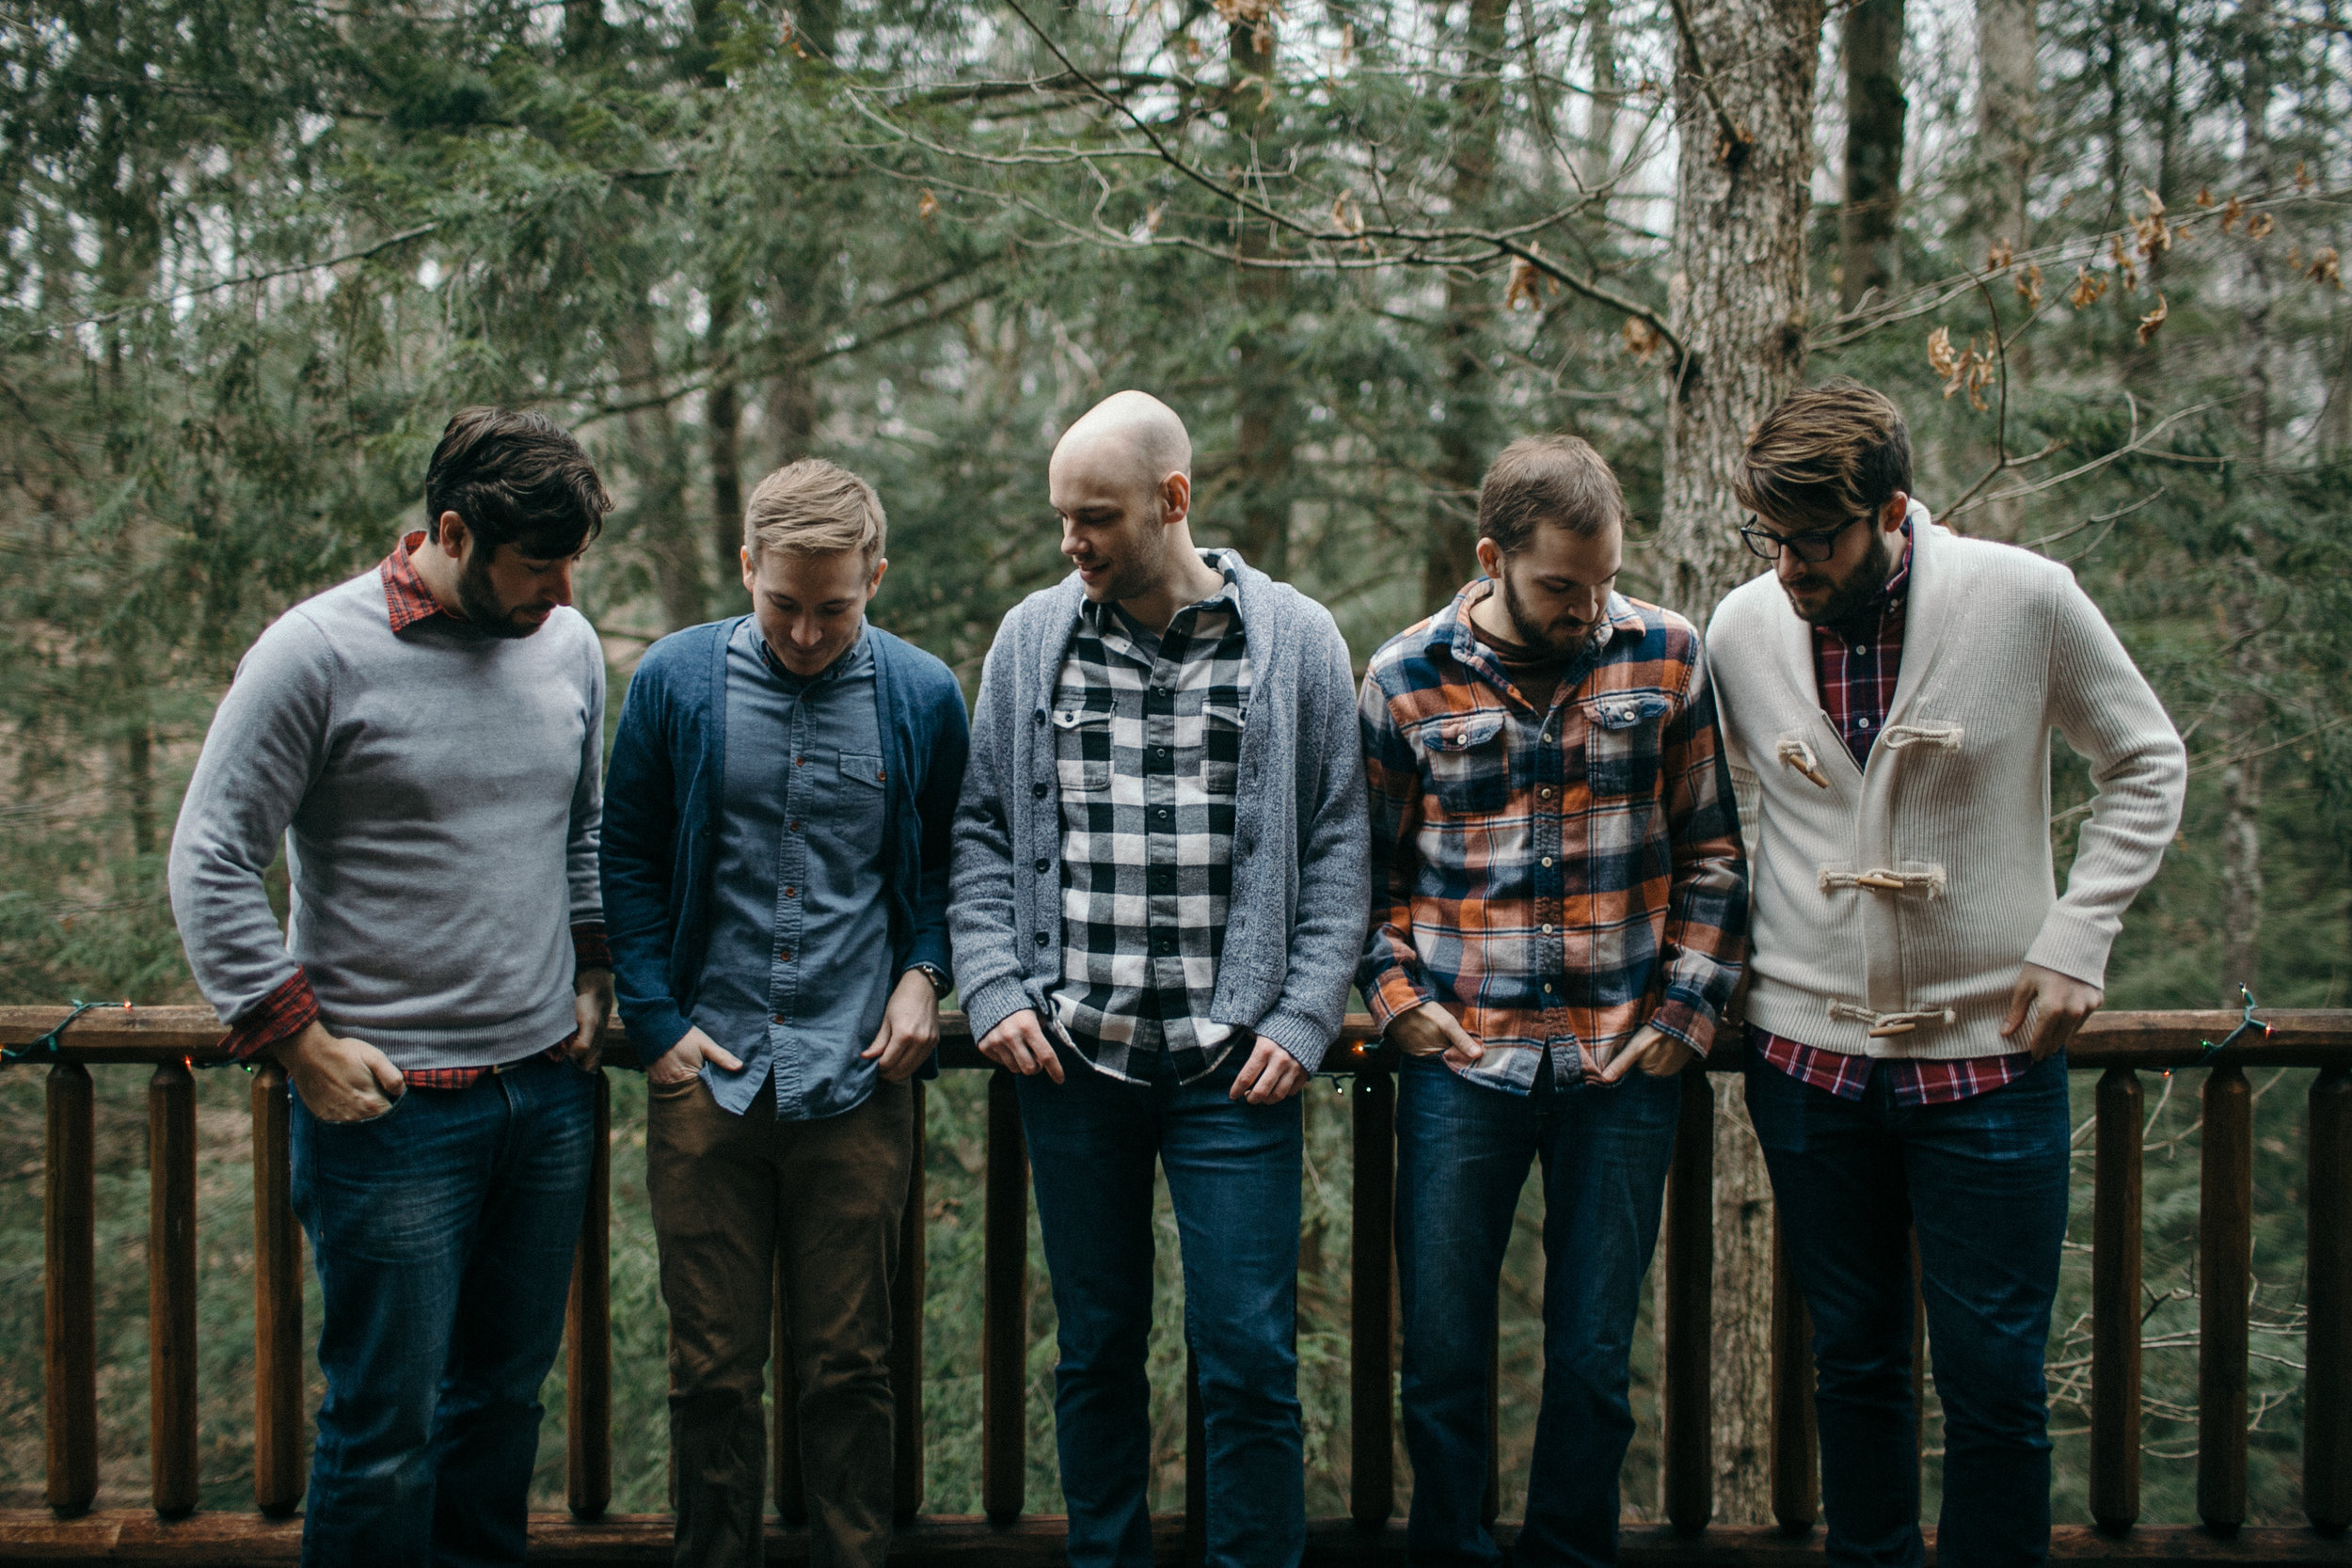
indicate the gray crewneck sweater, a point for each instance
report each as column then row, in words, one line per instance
column 438, row 794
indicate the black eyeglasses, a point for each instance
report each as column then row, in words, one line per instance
column 1813, row 547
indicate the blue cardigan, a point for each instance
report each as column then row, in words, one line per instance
column 662, row 793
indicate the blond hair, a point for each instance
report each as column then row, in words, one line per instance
column 814, row 507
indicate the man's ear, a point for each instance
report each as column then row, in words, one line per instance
column 881, row 565
column 1490, row 559
column 1175, row 497
column 1891, row 516
column 448, row 531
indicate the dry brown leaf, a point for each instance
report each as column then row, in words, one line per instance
column 2230, row 214
column 2126, row 269
column 926, row 207
column 1151, row 219
column 1642, row 340
column 2154, row 319
column 2261, row 226
column 2088, row 287
column 2204, row 195
column 2327, row 268
column 1999, row 257
column 1345, row 215
column 1940, row 357
column 2155, row 202
column 1526, row 287
column 2302, row 176
column 2029, row 287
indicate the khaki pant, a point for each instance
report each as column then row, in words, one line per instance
column 739, row 1202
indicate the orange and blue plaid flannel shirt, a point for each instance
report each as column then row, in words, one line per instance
column 1554, row 879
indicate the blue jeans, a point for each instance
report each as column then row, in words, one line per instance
column 1983, row 1183
column 1232, row 1175
column 1463, row 1151
column 443, row 1233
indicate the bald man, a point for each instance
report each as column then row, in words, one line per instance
column 1158, row 894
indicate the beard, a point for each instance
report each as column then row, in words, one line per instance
column 1562, row 639
column 1851, row 597
column 478, row 602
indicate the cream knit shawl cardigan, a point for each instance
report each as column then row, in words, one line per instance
column 1894, row 905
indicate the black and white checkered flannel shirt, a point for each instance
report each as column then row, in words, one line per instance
column 1147, row 744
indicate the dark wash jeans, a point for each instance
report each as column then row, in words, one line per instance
column 1463, row 1152
column 443, row 1233
column 1983, row 1181
column 1232, row 1176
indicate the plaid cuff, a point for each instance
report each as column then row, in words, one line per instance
column 282, row 1014
column 589, row 948
column 1693, row 1027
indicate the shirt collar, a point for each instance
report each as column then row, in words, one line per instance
column 406, row 595
column 845, row 664
column 1450, row 629
column 1097, row 613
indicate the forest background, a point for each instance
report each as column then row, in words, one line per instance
column 256, row 253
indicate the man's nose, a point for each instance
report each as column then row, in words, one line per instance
column 1790, row 565
column 1069, row 542
column 564, row 583
column 806, row 634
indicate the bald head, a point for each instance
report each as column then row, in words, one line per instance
column 1131, row 431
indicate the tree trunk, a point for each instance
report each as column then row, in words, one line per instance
column 1265, row 442
column 1599, row 161
column 657, row 516
column 2241, row 781
column 1466, row 437
column 2008, row 107
column 1869, row 214
column 1743, row 91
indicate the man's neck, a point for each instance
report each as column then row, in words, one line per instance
column 1190, row 581
column 1492, row 616
column 437, row 572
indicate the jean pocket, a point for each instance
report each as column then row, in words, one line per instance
column 379, row 1119
column 679, row 1090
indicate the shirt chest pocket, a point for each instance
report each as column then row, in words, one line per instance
column 860, row 782
column 1220, row 748
column 1082, row 749
column 1622, row 733
column 1469, row 767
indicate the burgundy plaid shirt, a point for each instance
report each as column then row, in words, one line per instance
column 293, row 1007
column 1857, row 681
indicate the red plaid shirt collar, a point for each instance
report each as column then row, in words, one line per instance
column 1451, row 630
column 405, row 594
column 1857, row 685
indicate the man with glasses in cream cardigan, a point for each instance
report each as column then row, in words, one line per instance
column 1888, row 691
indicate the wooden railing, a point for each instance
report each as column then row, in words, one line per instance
column 2117, row 1046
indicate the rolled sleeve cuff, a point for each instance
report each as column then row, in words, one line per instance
column 589, row 948
column 1692, row 1023
column 281, row 1015
column 1393, row 993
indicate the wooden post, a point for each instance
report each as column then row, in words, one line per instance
column 278, row 1451
column 1372, row 1440
column 1796, row 1460
column 70, row 1281
column 1689, row 1395
column 588, row 1331
column 2328, row 1295
column 1196, row 1467
column 171, row 1287
column 1004, row 1306
column 2115, row 1304
column 906, row 1331
column 2225, row 1229
column 791, row 1487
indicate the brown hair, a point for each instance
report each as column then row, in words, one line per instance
column 1547, row 479
column 1834, row 451
column 514, row 479
column 814, row 507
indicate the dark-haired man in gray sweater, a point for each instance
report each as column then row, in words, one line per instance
column 1160, row 878
column 425, row 739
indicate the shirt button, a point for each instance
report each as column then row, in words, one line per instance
column 1863, row 723
column 775, row 1018
column 1043, row 863
column 783, row 955
column 799, row 762
column 1040, row 939
column 793, row 825
column 1547, row 928
column 1861, row 653
column 1547, row 990
column 1037, row 790
column 1547, row 859
column 1545, row 792
column 791, row 891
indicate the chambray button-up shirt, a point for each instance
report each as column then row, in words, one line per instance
column 798, row 965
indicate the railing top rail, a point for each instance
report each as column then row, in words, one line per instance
column 2313, row 1036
